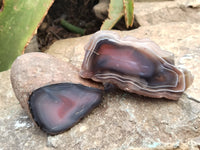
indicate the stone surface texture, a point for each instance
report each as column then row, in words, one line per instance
column 101, row 9
column 33, row 45
column 189, row 3
column 123, row 120
column 152, row 13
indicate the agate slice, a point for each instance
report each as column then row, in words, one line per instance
column 51, row 91
column 55, row 108
column 134, row 65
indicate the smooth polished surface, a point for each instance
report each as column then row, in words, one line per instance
column 57, row 107
column 135, row 65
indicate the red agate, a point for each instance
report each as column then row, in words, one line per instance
column 56, row 108
column 134, row 65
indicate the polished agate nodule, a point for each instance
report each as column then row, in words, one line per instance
column 57, row 107
column 134, row 65
column 51, row 91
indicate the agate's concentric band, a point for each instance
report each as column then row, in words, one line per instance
column 135, row 65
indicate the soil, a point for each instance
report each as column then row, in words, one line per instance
column 77, row 12
column 1, row 4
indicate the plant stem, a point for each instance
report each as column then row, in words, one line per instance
column 71, row 27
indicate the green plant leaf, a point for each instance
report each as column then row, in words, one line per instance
column 115, row 13
column 19, row 20
column 128, row 12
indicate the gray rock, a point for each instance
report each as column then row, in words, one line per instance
column 189, row 3
column 123, row 120
column 152, row 122
column 152, row 13
column 101, row 9
column 17, row 131
column 32, row 45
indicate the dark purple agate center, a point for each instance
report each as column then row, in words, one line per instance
column 56, row 108
column 110, row 57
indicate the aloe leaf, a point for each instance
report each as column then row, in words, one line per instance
column 115, row 13
column 128, row 12
column 19, row 20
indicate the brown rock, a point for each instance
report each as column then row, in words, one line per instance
column 123, row 120
column 39, row 69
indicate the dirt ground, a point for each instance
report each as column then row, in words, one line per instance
column 76, row 12
column 1, row 3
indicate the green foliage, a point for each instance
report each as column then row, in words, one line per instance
column 19, row 20
column 114, row 14
column 128, row 12
column 118, row 8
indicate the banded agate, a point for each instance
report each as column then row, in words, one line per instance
column 134, row 65
column 56, row 108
